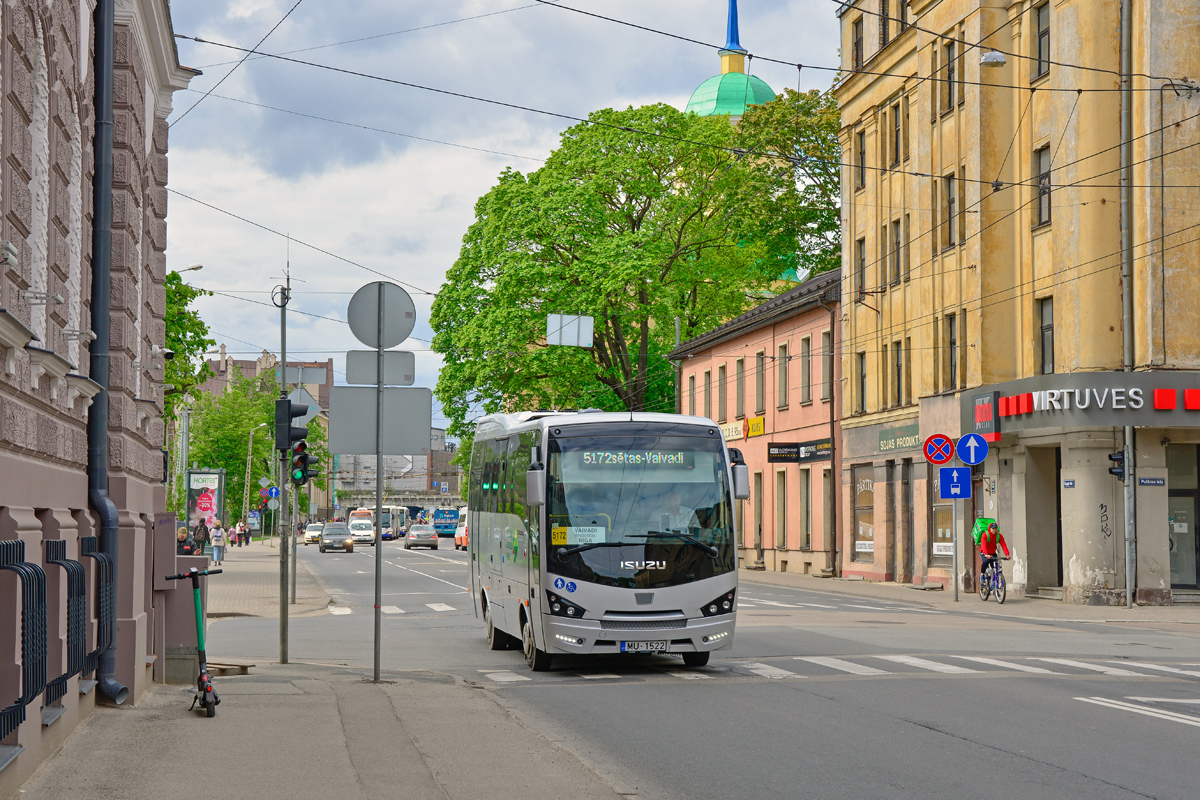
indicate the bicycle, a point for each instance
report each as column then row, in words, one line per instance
column 991, row 581
column 206, row 696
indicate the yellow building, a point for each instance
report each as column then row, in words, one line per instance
column 982, row 289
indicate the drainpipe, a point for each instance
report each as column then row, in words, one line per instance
column 97, row 428
column 835, row 478
column 1127, row 284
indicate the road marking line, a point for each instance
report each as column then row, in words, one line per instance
column 995, row 662
column 339, row 611
column 688, row 676
column 815, row 605
column 869, row 608
column 430, row 554
column 1120, row 673
column 775, row 603
column 932, row 666
column 431, row 577
column 598, row 676
column 844, row 666
column 440, row 607
column 1149, row 712
column 503, row 676
column 392, row 610
column 1160, row 668
column 1182, row 701
column 363, row 572
column 767, row 671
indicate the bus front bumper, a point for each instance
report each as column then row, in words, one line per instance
column 583, row 636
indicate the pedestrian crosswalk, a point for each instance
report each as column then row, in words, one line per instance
column 440, row 608
column 766, row 604
column 860, row 666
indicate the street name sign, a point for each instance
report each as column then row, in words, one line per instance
column 362, row 367
column 407, row 413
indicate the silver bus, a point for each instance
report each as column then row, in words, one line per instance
column 596, row 532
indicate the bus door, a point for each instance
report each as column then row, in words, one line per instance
column 532, row 519
column 474, row 492
column 489, row 532
column 512, row 540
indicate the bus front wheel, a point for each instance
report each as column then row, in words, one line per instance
column 538, row 660
column 497, row 640
column 695, row 659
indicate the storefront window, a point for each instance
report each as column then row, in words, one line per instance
column 1183, row 503
column 864, row 513
column 942, row 516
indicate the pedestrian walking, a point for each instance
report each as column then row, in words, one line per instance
column 200, row 537
column 219, row 540
column 185, row 546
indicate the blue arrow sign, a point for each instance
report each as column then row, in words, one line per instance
column 954, row 483
column 972, row 449
column 273, row 492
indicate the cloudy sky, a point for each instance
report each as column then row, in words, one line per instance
column 388, row 176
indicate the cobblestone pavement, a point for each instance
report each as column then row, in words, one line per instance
column 249, row 586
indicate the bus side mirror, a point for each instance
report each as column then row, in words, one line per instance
column 535, row 487
column 741, row 482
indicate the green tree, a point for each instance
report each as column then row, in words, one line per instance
column 187, row 336
column 793, row 189
column 629, row 228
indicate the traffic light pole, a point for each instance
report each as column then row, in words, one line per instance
column 295, row 514
column 379, row 486
column 284, row 457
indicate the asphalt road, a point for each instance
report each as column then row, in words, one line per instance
column 823, row 695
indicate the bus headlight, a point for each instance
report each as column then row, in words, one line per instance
column 561, row 608
column 722, row 605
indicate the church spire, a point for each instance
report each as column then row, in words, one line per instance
column 731, row 42
column 733, row 56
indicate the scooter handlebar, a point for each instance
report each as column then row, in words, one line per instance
column 184, row 575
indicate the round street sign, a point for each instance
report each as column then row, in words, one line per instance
column 399, row 314
column 972, row 449
column 273, row 492
column 263, row 493
column 939, row 449
column 273, row 504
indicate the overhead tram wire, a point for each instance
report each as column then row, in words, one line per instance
column 385, row 35
column 235, row 66
column 682, row 38
column 369, row 128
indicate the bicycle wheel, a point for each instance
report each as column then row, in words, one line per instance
column 1000, row 586
column 985, row 584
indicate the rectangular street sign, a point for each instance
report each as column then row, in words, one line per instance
column 954, row 483
column 407, row 415
column 569, row 329
column 303, row 374
column 399, row 367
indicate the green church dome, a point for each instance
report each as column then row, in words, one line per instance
column 729, row 95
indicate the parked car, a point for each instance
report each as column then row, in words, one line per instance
column 312, row 534
column 363, row 531
column 336, row 536
column 460, row 535
column 421, row 535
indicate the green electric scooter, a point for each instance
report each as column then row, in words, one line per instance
column 206, row 696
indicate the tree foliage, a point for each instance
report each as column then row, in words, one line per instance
column 187, row 336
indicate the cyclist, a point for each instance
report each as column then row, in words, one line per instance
column 987, row 538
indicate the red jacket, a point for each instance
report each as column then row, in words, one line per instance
column 987, row 543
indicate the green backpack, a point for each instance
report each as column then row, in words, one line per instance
column 981, row 526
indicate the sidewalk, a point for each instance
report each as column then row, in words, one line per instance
column 249, row 586
column 293, row 732
column 1014, row 607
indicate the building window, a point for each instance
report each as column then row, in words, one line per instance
column 692, row 395
column 962, row 197
column 908, row 395
column 896, row 251
column 860, row 160
column 897, row 136
column 949, row 77
column 885, row 23
column 804, row 510
column 739, row 379
column 864, row 513
column 1042, row 19
column 898, row 374
column 1046, row 310
column 780, row 510
column 806, row 370
column 941, row 518
column 781, row 377
column 860, row 260
column 861, row 370
column 937, row 356
column 952, row 351
column 857, row 52
column 708, row 394
column 1041, row 162
column 907, row 130
column 903, row 14
column 760, row 367
column 949, row 210
column 826, row 365
column 721, row 390
column 906, row 258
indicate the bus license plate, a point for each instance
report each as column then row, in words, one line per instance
column 643, row 647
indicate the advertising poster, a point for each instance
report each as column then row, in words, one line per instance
column 205, row 497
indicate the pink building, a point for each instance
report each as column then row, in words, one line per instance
column 770, row 380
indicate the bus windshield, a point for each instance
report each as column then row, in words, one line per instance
column 639, row 511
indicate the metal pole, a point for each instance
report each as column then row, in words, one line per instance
column 378, row 480
column 283, row 460
column 954, row 544
column 295, row 515
column 1127, row 283
column 246, row 488
column 183, row 461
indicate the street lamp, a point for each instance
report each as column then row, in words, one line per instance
column 993, row 59
column 192, row 268
column 246, row 488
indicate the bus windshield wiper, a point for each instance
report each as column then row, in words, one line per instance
column 579, row 548
column 687, row 537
